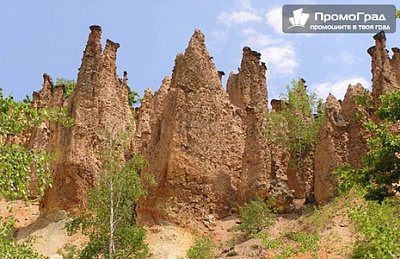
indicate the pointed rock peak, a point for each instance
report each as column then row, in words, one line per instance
column 331, row 100
column 197, row 38
column 247, row 52
column 148, row 93
column 166, row 80
column 47, row 81
column 110, row 45
column 380, row 36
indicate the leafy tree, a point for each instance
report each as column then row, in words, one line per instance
column 133, row 97
column 69, row 85
column 380, row 174
column 255, row 215
column 110, row 219
column 295, row 128
column 16, row 162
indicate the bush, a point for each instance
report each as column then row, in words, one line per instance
column 69, row 85
column 380, row 226
column 202, row 247
column 133, row 97
column 10, row 247
column 255, row 215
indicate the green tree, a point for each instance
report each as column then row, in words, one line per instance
column 133, row 97
column 295, row 128
column 255, row 215
column 16, row 162
column 69, row 85
column 109, row 218
column 379, row 175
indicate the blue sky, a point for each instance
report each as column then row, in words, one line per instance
column 49, row 36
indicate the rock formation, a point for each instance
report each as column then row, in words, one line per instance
column 205, row 146
column 385, row 70
column 98, row 105
column 196, row 145
column 248, row 90
column 342, row 138
column 143, row 127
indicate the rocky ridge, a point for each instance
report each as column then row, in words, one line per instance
column 205, row 146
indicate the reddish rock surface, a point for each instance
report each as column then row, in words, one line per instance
column 198, row 142
column 341, row 140
column 248, row 91
column 98, row 105
column 385, row 70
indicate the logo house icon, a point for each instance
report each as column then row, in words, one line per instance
column 299, row 18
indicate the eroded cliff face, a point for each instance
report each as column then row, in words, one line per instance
column 248, row 90
column 342, row 137
column 195, row 146
column 385, row 70
column 98, row 105
column 205, row 146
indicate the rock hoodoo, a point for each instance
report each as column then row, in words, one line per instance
column 205, row 146
column 248, row 90
column 98, row 105
column 385, row 70
column 342, row 137
column 195, row 146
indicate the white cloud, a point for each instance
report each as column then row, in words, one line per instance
column 343, row 57
column 242, row 13
column 339, row 87
column 259, row 40
column 238, row 17
column 218, row 35
column 277, row 53
column 280, row 59
column 274, row 19
column 248, row 31
column 245, row 4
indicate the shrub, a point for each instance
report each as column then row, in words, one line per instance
column 255, row 215
column 380, row 226
column 69, row 85
column 202, row 247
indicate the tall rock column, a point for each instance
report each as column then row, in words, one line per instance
column 248, row 91
column 385, row 71
column 98, row 105
column 342, row 139
column 198, row 142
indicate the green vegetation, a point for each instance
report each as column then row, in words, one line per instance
column 9, row 247
column 16, row 163
column 377, row 180
column 295, row 128
column 300, row 242
column 255, row 215
column 133, row 97
column 380, row 226
column 202, row 248
column 380, row 174
column 110, row 218
column 69, row 85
